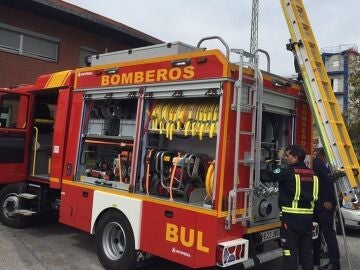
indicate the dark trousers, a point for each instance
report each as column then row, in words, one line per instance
column 325, row 218
column 293, row 239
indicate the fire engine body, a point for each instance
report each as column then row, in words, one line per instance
column 142, row 153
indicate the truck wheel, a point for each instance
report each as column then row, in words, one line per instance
column 115, row 244
column 9, row 202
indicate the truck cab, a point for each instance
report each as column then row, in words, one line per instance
column 33, row 134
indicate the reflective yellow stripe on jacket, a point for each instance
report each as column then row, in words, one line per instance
column 315, row 191
column 294, row 209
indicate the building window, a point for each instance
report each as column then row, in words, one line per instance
column 340, row 102
column 27, row 43
column 337, row 84
column 336, row 64
column 9, row 40
column 85, row 52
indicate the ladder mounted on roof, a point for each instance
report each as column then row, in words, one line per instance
column 321, row 97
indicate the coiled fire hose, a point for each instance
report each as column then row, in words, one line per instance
column 173, row 169
column 147, row 181
column 209, row 179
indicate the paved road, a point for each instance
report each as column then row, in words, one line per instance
column 56, row 247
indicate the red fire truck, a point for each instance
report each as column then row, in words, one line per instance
column 156, row 151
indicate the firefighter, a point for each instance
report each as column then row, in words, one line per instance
column 298, row 191
column 324, row 212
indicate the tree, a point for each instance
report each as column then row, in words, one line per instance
column 353, row 113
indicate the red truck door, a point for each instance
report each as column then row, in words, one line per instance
column 14, row 136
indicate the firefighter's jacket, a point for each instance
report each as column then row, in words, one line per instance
column 298, row 191
column 326, row 183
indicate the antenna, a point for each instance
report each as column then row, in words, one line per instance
column 254, row 27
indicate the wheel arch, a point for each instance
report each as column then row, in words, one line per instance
column 130, row 208
column 99, row 217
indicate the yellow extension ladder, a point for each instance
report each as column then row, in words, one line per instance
column 332, row 129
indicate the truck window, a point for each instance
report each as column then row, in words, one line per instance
column 13, row 115
column 13, row 111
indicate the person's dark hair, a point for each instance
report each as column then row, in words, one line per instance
column 321, row 152
column 296, row 151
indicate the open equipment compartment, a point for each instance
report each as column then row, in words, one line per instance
column 106, row 147
column 179, row 148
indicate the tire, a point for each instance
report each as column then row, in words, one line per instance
column 9, row 202
column 115, row 244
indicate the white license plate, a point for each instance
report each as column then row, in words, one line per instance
column 270, row 235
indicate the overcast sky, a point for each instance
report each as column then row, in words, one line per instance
column 334, row 22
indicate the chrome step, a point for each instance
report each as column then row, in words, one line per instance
column 28, row 196
column 24, row 212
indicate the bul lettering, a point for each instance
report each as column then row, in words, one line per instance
column 185, row 236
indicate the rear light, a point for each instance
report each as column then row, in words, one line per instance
column 232, row 252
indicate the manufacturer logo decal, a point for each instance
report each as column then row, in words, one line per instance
column 180, row 252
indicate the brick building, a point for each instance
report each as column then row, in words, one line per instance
column 43, row 36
